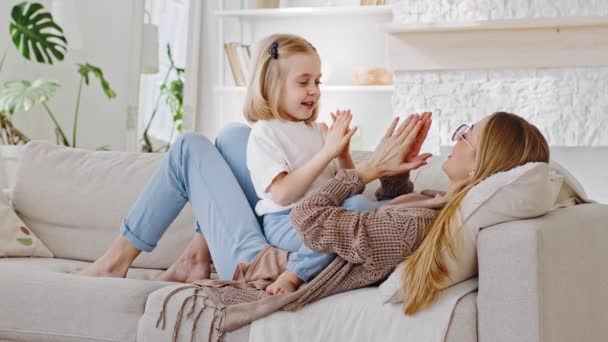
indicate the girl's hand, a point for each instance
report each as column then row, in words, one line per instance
column 345, row 154
column 389, row 158
column 338, row 136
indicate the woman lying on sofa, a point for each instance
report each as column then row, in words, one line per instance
column 368, row 245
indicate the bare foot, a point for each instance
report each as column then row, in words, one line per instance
column 114, row 262
column 193, row 264
column 100, row 268
column 287, row 282
column 187, row 271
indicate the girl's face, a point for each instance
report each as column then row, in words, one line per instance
column 460, row 165
column 300, row 93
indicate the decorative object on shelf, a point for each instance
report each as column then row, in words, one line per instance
column 375, row 2
column 239, row 58
column 173, row 92
column 252, row 4
column 33, row 30
column 373, row 76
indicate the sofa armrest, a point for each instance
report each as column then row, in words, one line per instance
column 545, row 279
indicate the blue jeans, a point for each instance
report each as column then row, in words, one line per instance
column 194, row 171
column 303, row 261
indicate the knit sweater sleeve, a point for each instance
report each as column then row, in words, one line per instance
column 393, row 186
column 377, row 240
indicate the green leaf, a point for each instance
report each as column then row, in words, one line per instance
column 104, row 148
column 85, row 69
column 25, row 241
column 2, row 60
column 21, row 96
column 33, row 30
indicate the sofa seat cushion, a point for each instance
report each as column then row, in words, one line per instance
column 148, row 332
column 41, row 301
column 462, row 326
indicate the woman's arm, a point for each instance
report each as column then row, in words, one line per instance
column 346, row 161
column 375, row 239
column 372, row 238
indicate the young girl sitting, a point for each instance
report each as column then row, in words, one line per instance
column 289, row 154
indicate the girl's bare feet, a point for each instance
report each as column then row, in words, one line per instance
column 115, row 262
column 287, row 282
column 193, row 264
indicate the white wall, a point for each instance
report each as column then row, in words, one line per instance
column 106, row 30
column 569, row 105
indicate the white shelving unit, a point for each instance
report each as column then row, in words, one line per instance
column 308, row 11
column 345, row 36
column 524, row 43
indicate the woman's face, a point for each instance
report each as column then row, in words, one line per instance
column 460, row 165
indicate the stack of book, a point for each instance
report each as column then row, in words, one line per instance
column 239, row 58
column 375, row 2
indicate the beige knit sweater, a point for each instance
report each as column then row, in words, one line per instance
column 368, row 245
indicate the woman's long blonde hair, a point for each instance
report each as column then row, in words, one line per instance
column 268, row 77
column 507, row 141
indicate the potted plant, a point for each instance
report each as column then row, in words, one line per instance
column 35, row 34
column 173, row 92
column 37, row 37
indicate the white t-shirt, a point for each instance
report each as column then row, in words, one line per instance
column 277, row 146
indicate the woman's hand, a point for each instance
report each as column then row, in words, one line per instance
column 389, row 158
column 426, row 118
column 338, row 136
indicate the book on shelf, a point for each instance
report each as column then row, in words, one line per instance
column 374, row 2
column 239, row 58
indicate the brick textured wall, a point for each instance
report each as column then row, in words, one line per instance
column 569, row 105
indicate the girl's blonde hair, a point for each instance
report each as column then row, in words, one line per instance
column 268, row 78
column 507, row 141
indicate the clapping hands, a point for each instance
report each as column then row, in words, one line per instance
column 399, row 149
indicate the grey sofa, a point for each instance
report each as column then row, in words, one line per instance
column 541, row 279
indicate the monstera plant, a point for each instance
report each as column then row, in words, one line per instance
column 36, row 35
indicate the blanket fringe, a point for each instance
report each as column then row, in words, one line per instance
column 219, row 315
column 162, row 315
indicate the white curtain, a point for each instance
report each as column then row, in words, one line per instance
column 171, row 17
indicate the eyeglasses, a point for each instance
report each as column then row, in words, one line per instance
column 460, row 134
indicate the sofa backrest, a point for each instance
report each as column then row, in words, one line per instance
column 75, row 201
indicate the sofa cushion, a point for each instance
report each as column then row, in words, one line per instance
column 16, row 239
column 351, row 308
column 523, row 192
column 42, row 302
column 75, row 201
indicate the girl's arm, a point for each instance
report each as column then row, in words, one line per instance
column 287, row 188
